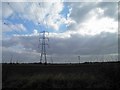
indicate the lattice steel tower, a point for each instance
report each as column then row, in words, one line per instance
column 43, row 42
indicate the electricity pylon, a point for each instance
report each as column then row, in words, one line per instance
column 43, row 42
column 79, row 59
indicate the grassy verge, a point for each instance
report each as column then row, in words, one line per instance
column 59, row 81
column 57, row 76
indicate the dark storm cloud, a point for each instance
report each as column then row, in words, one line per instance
column 62, row 49
column 10, row 42
column 104, row 43
column 111, row 9
column 27, row 42
column 30, row 42
column 80, row 11
column 7, row 54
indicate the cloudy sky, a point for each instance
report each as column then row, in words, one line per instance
column 75, row 28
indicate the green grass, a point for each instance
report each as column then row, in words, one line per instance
column 61, row 76
column 57, row 81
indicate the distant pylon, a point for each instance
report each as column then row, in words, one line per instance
column 51, row 59
column 11, row 59
column 79, row 59
column 42, row 44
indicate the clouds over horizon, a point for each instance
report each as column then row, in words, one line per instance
column 82, row 28
column 62, row 45
column 74, row 45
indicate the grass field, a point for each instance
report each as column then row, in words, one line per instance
column 87, row 75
